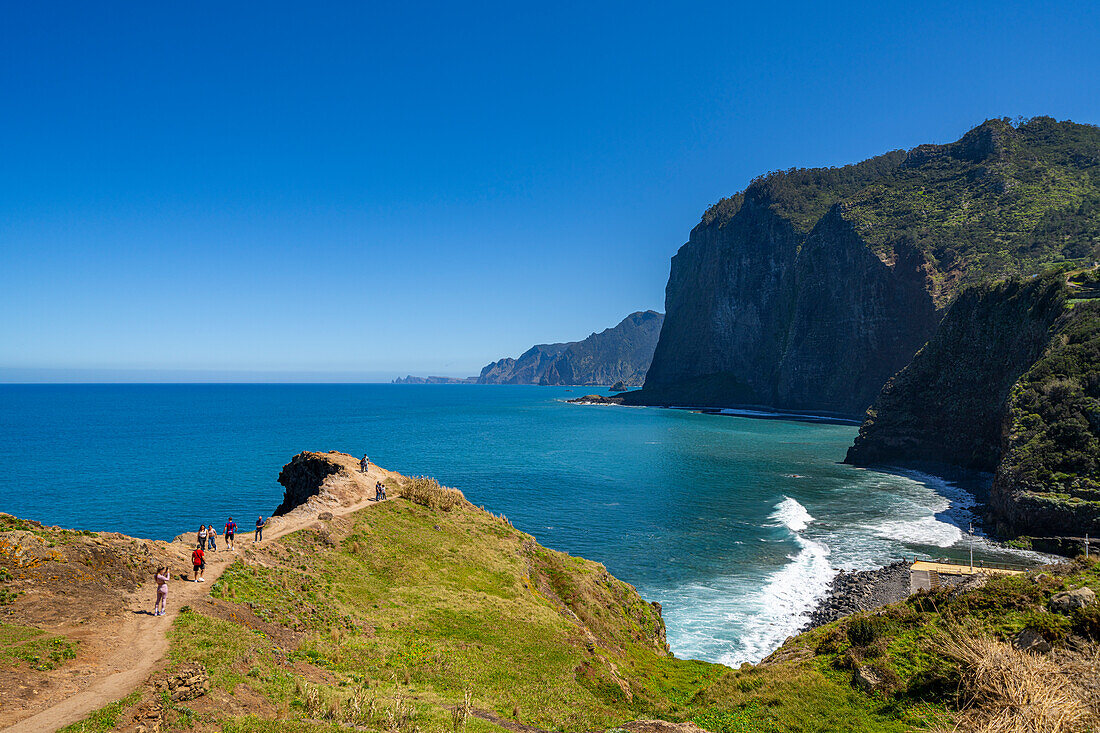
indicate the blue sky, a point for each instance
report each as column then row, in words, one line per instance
column 361, row 190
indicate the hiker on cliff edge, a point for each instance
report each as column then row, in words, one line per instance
column 230, row 530
column 198, row 560
column 259, row 529
column 162, row 577
column 364, row 463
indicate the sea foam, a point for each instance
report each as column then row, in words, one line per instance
column 776, row 610
column 790, row 514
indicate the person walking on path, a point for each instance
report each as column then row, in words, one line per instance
column 378, row 491
column 259, row 529
column 202, row 536
column 383, row 492
column 162, row 578
column 365, row 463
column 211, row 537
column 198, row 559
column 230, row 530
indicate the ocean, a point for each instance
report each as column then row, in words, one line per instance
column 734, row 524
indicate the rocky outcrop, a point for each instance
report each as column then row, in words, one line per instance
column 948, row 405
column 596, row 399
column 1069, row 601
column 305, row 476
column 619, row 354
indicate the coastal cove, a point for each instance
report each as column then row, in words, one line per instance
column 735, row 525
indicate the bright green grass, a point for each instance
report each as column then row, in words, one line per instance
column 24, row 646
column 426, row 605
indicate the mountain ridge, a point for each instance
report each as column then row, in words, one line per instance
column 621, row 353
column 812, row 287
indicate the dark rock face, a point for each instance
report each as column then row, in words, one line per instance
column 848, row 334
column 760, row 314
column 619, row 354
column 729, row 295
column 948, row 405
column 302, row 478
column 596, row 399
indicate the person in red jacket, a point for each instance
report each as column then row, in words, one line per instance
column 199, row 561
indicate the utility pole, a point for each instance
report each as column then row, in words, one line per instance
column 970, row 532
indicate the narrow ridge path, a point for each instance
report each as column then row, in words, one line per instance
column 142, row 641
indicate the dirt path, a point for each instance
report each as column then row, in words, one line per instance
column 141, row 642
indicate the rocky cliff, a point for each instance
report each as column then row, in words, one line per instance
column 619, row 354
column 948, row 405
column 811, row 288
column 1048, row 479
column 527, row 369
column 1010, row 383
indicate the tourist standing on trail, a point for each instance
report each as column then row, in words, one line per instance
column 162, row 578
column 378, row 491
column 211, row 537
column 259, row 530
column 382, row 486
column 202, row 536
column 230, row 530
column 364, row 463
column 198, row 559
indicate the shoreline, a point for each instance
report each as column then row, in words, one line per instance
column 853, row 591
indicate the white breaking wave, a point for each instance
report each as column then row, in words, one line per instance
column 790, row 514
column 778, row 608
column 922, row 531
column 774, row 611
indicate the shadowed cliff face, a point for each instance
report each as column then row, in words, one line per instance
column 856, row 320
column 728, row 300
column 948, row 405
column 761, row 314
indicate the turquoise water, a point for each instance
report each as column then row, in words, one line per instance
column 734, row 524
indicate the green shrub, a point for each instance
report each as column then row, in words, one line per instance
column 1051, row 626
column 863, row 631
column 1086, row 621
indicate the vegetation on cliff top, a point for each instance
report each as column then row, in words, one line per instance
column 388, row 618
column 1002, row 200
column 1052, row 445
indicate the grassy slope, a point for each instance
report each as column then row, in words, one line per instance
column 385, row 619
column 999, row 201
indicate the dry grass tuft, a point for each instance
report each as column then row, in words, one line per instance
column 427, row 492
column 1005, row 690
